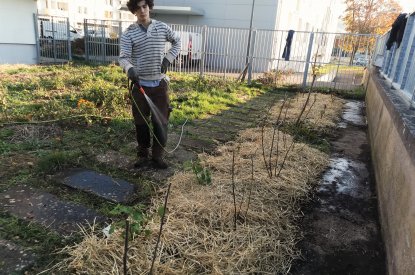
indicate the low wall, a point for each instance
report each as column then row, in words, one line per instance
column 391, row 124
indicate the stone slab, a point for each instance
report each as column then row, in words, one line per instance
column 46, row 209
column 14, row 259
column 106, row 187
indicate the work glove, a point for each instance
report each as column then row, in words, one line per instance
column 133, row 75
column 164, row 65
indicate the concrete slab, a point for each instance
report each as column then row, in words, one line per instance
column 13, row 258
column 46, row 209
column 115, row 190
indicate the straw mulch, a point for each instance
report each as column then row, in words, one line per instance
column 199, row 236
column 322, row 110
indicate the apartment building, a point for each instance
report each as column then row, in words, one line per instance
column 78, row 10
column 17, row 36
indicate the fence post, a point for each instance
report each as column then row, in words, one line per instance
column 53, row 40
column 35, row 18
column 251, row 56
column 68, row 33
column 308, row 59
column 103, row 42
column 86, row 39
column 119, row 37
column 203, row 54
column 228, row 34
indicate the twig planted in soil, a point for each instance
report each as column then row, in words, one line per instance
column 285, row 157
column 311, row 106
column 276, row 128
column 268, row 166
column 314, row 75
column 250, row 189
column 161, row 228
column 127, row 231
column 233, row 189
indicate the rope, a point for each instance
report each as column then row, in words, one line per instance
column 149, row 127
column 50, row 121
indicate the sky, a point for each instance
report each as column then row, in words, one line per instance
column 407, row 5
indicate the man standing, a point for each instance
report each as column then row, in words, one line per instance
column 142, row 58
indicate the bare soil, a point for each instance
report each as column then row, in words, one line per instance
column 341, row 227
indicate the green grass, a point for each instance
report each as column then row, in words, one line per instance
column 326, row 68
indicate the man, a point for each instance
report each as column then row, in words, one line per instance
column 142, row 58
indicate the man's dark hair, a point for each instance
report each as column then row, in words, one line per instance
column 132, row 5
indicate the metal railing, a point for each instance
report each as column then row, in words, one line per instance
column 53, row 39
column 337, row 59
column 397, row 64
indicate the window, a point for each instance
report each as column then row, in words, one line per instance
column 62, row 6
column 108, row 14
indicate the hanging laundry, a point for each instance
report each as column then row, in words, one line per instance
column 287, row 48
column 396, row 33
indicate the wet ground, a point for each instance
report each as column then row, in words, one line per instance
column 341, row 227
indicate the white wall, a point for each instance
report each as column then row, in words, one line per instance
column 17, row 32
column 226, row 13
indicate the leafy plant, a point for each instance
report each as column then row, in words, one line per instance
column 135, row 215
column 202, row 173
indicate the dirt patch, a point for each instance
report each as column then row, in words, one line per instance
column 341, row 226
column 9, row 165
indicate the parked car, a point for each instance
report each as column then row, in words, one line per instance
column 57, row 31
column 360, row 60
column 98, row 33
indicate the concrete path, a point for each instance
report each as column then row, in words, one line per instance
column 34, row 205
column 106, row 187
column 13, row 258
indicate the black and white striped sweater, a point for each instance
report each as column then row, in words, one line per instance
column 145, row 50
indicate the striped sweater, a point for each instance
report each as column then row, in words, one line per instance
column 145, row 50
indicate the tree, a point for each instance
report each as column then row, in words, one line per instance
column 368, row 17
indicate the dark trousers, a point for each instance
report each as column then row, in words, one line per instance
column 158, row 115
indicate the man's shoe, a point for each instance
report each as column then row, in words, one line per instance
column 159, row 163
column 141, row 162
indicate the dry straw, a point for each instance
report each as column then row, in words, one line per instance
column 199, row 235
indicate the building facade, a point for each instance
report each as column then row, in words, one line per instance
column 18, row 35
column 79, row 10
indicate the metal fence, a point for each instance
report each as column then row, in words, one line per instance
column 338, row 60
column 53, row 39
column 397, row 63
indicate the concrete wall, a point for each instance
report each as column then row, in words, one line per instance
column 392, row 138
column 227, row 13
column 17, row 34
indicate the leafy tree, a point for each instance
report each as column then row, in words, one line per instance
column 367, row 17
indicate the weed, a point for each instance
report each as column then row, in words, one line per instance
column 202, row 174
column 135, row 215
column 57, row 161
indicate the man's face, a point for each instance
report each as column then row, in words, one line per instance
column 143, row 12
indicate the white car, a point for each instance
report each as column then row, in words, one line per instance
column 57, row 31
column 361, row 61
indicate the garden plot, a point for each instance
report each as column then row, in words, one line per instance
column 237, row 214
